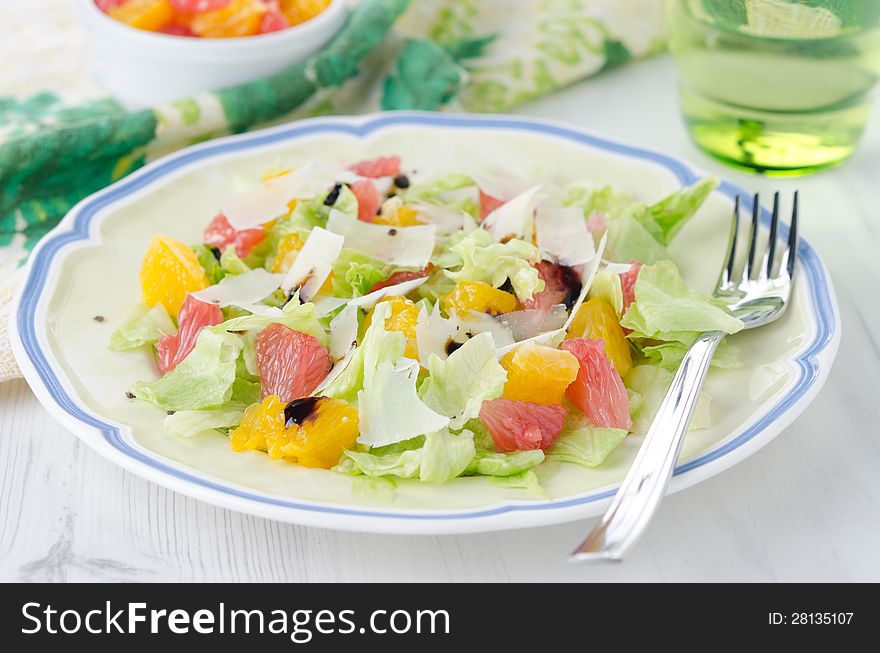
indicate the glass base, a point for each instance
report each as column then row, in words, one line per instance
column 780, row 144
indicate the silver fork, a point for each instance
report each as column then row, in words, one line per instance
column 757, row 297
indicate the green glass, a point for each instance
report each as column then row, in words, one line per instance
column 779, row 86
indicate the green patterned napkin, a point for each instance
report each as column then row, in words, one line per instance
column 64, row 139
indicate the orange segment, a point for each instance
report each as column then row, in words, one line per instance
column 258, row 422
column 477, row 296
column 170, row 270
column 317, row 439
column 402, row 216
column 288, row 248
column 597, row 319
column 403, row 318
column 538, row 374
column 144, row 14
column 299, row 11
column 238, row 18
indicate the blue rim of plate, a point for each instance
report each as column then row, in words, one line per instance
column 809, row 368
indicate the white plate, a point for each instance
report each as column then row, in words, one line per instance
column 89, row 265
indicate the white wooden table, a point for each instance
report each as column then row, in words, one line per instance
column 807, row 507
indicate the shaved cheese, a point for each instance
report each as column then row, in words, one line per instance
column 548, row 338
column 498, row 184
column 563, row 234
column 513, row 218
column 262, row 310
column 587, row 273
column 369, row 300
column 326, row 304
column 434, row 333
column 617, row 268
column 402, row 246
column 474, row 323
column 247, row 288
column 343, row 342
column 313, row 263
column 382, row 184
column 269, row 199
column 531, row 322
column 446, row 220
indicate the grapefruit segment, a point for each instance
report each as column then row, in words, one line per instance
column 290, row 364
column 598, row 389
column 520, row 425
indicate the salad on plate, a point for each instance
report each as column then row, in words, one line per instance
column 390, row 323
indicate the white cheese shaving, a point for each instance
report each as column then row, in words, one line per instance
column 247, row 288
column 343, row 342
column 617, row 268
column 369, row 300
column 434, row 332
column 531, row 322
column 475, row 323
column 269, row 199
column 402, row 246
column 587, row 273
column 313, row 263
column 514, row 218
column 446, row 220
column 326, row 304
column 563, row 233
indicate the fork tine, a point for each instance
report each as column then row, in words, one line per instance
column 727, row 270
column 790, row 255
column 753, row 238
column 770, row 254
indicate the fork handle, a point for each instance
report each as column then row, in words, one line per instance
column 645, row 482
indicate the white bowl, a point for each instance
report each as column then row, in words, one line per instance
column 143, row 69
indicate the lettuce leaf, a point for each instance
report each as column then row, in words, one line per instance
column 629, row 240
column 187, row 423
column 482, row 259
column 490, row 463
column 355, row 273
column 202, row 380
column 231, row 264
column 665, row 218
column 441, row 191
column 651, row 383
column 209, row 263
column 526, row 480
column 603, row 199
column 299, row 317
column 668, row 355
column 145, row 326
column 456, row 387
column 440, row 457
column 582, row 443
column 666, row 309
column 606, row 286
column 377, row 346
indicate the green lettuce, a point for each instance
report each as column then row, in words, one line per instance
column 145, row 326
column 377, row 346
column 456, row 387
column 666, row 309
column 603, row 199
column 442, row 456
column 492, row 463
column 354, row 273
column 203, row 379
column 187, row 423
column 582, row 443
column 665, row 218
column 651, row 383
column 669, row 355
column 209, row 263
column 295, row 316
column 231, row 264
column 441, row 191
column 629, row 240
column 526, row 480
column 606, row 286
column 482, row 259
